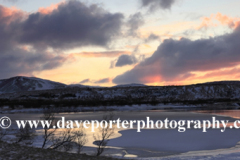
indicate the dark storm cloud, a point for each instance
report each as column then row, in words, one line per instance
column 25, row 37
column 105, row 80
column 153, row 5
column 177, row 59
column 9, row 18
column 126, row 60
column 18, row 61
column 85, row 81
column 134, row 22
column 72, row 24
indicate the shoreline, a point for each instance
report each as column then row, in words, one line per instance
column 138, row 115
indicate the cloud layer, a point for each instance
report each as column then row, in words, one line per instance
column 85, row 81
column 126, row 60
column 104, row 80
column 177, row 60
column 152, row 37
column 153, row 5
column 31, row 42
column 134, row 22
column 71, row 24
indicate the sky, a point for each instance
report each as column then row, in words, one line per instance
column 107, row 43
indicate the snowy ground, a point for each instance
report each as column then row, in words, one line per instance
column 15, row 151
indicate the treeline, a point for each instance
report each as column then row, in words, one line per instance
column 47, row 103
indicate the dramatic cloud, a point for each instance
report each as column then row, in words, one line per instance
column 15, row 58
column 153, row 5
column 32, row 42
column 48, row 10
column 8, row 33
column 20, row 62
column 176, row 60
column 72, row 24
column 105, row 80
column 126, row 60
column 85, row 81
column 135, row 21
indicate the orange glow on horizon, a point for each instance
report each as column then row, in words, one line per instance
column 152, row 79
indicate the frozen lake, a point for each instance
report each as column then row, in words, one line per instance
column 155, row 142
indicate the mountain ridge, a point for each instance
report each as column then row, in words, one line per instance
column 22, row 83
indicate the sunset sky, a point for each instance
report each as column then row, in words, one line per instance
column 110, row 42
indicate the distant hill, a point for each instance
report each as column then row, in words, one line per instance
column 30, row 89
column 20, row 83
column 224, row 82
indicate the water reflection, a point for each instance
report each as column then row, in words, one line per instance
column 227, row 113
